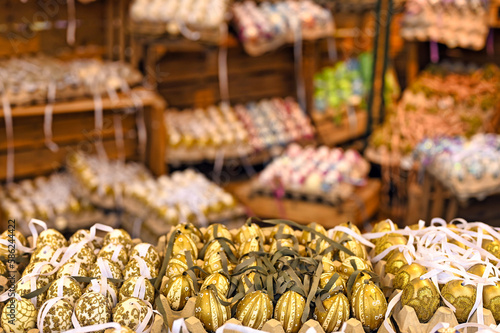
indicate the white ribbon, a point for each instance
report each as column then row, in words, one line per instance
column 9, row 133
column 47, row 119
column 244, row 329
column 179, row 326
column 140, row 288
column 44, row 310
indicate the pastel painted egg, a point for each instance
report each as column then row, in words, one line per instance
column 92, row 308
column 25, row 315
column 58, row 316
column 128, row 287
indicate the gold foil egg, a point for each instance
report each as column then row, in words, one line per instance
column 147, row 252
column 328, row 265
column 72, row 269
column 215, row 246
column 58, row 316
column 369, row 305
column 335, row 314
column 306, row 237
column 115, row 253
column 387, row 241
column 183, row 243
column 347, row 268
column 337, row 235
column 177, row 291
column 117, row 237
column 461, row 296
column 18, row 316
column 408, row 273
column 321, row 246
column 289, row 310
column 339, row 282
column 176, row 265
column 23, row 287
column 44, row 253
column 220, row 282
column 51, row 237
column 255, row 309
column 248, row 231
column 190, row 230
column 478, row 270
column 139, row 267
column 423, row 296
column 105, row 267
column 284, row 243
column 395, row 261
column 492, row 246
column 360, row 280
column 210, row 311
column 131, row 312
column 355, row 247
column 250, row 276
column 92, row 308
column 251, row 245
column 491, row 299
column 70, row 290
column 384, row 226
column 217, row 230
column 129, row 286
column 283, row 228
column 214, row 264
column 3, row 269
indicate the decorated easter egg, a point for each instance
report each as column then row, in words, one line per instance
column 408, row 273
column 210, row 311
column 220, row 282
column 51, row 237
column 215, row 231
column 115, row 253
column 144, row 291
column 65, row 287
column 139, row 267
column 306, row 237
column 335, row 314
column 255, row 309
column 369, row 305
column 462, row 296
column 178, row 290
column 248, row 231
column 58, row 312
column 147, row 252
column 423, row 296
column 118, row 237
column 92, row 308
column 289, row 310
column 176, row 265
column 105, row 267
column 18, row 316
column 132, row 312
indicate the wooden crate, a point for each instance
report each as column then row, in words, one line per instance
column 362, row 205
column 73, row 128
column 332, row 134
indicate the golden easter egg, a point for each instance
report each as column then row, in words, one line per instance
column 131, row 312
column 251, row 245
column 220, row 282
column 65, row 287
column 339, row 283
column 58, row 316
column 92, row 308
column 176, row 265
column 423, row 296
column 190, row 230
column 210, row 311
column 217, row 230
column 408, row 273
column 215, row 264
column 177, row 291
column 387, row 241
column 216, row 245
column 248, row 231
column 355, row 247
column 105, row 267
column 289, row 310
column 255, row 309
column 183, row 243
column 109, row 291
column 336, row 312
column 18, row 316
column 461, row 296
column 395, row 261
column 147, row 252
column 129, row 289
column 369, row 305
column 306, row 237
column 51, row 237
column 337, row 235
column 281, row 229
column 491, row 299
column 118, row 237
column 284, row 243
column 116, row 253
column 139, row 267
column 44, row 253
column 41, row 270
column 351, row 264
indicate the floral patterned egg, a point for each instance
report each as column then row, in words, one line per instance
column 70, row 289
column 104, row 266
column 72, row 269
column 210, row 311
column 394, row 262
column 23, row 287
column 52, row 238
column 461, row 296
column 220, row 282
column 408, row 273
column 176, row 266
column 25, row 316
column 128, row 287
column 190, row 230
column 217, row 230
column 255, row 309
column 387, row 241
column 79, row 236
column 336, row 312
column 41, row 269
column 289, row 310
column 178, row 290
column 139, row 267
column 491, row 299
column 115, row 253
column 131, row 312
column 84, row 254
column 58, row 316
column 4, row 249
column 110, row 291
column 248, row 231
column 306, row 237
column 183, row 243
column 44, row 253
column 92, row 308
column 369, row 305
column 123, row 329
column 423, row 296
column 117, row 237
column 147, row 252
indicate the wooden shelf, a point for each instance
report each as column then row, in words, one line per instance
column 332, row 134
column 362, row 205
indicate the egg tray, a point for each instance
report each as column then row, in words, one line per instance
column 406, row 318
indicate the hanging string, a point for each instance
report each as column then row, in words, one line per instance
column 9, row 133
column 47, row 119
column 223, row 72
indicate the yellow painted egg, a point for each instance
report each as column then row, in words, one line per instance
column 337, row 235
column 289, row 310
column 255, row 309
column 335, row 314
column 18, row 316
column 42, row 270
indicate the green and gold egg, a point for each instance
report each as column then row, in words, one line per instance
column 289, row 310
column 116, row 253
column 25, row 315
column 210, row 311
column 369, row 305
column 128, row 287
column 92, row 308
column 306, row 237
column 57, row 316
column 217, row 230
column 461, row 296
column 280, row 228
column 248, row 231
column 147, row 252
column 255, row 309
column 339, row 283
column 131, row 312
column 408, row 273
column 176, row 265
column 70, row 289
column 335, row 314
column 423, row 296
column 347, row 266
column 220, row 282
column 178, row 290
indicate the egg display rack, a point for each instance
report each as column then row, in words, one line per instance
column 268, row 25
column 436, row 256
column 253, row 132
